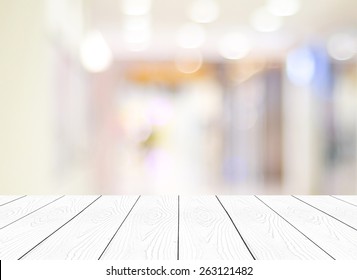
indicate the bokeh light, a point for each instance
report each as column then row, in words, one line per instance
column 137, row 32
column 191, row 36
column 136, row 7
column 300, row 66
column 342, row 46
column 203, row 11
column 188, row 61
column 95, row 53
column 234, row 46
column 263, row 21
column 283, row 8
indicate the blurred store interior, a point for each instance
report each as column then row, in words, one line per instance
column 178, row 97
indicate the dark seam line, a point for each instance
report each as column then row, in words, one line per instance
column 325, row 213
column 229, row 216
column 60, row 227
column 31, row 212
column 178, row 227
column 344, row 201
column 295, row 228
column 13, row 200
column 106, row 247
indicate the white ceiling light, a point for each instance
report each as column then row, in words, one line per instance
column 300, row 67
column 188, row 61
column 94, row 53
column 136, row 7
column 263, row 21
column 203, row 11
column 137, row 32
column 191, row 36
column 342, row 46
column 234, row 46
column 283, row 8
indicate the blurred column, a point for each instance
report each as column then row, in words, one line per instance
column 104, row 131
column 301, row 138
column 242, row 149
column 342, row 173
column 300, row 151
column 272, row 129
column 25, row 117
column 307, row 119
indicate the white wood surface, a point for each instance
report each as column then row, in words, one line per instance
column 9, row 198
column 268, row 235
column 168, row 228
column 23, row 235
column 206, row 231
column 338, row 209
column 339, row 240
column 149, row 233
column 350, row 199
column 18, row 209
column 87, row 236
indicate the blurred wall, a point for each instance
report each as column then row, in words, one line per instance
column 25, row 119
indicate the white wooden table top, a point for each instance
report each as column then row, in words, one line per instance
column 178, row 227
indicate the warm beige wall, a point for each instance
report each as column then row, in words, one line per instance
column 25, row 102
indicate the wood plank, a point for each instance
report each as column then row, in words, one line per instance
column 6, row 199
column 337, row 239
column 349, row 199
column 206, row 232
column 149, row 232
column 20, row 237
column 344, row 212
column 268, row 236
column 18, row 209
column 87, row 236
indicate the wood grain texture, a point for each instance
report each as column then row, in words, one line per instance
column 342, row 211
column 149, row 232
column 20, row 237
column 86, row 238
column 268, row 235
column 349, row 199
column 339, row 240
column 206, row 231
column 165, row 228
column 17, row 209
column 5, row 199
